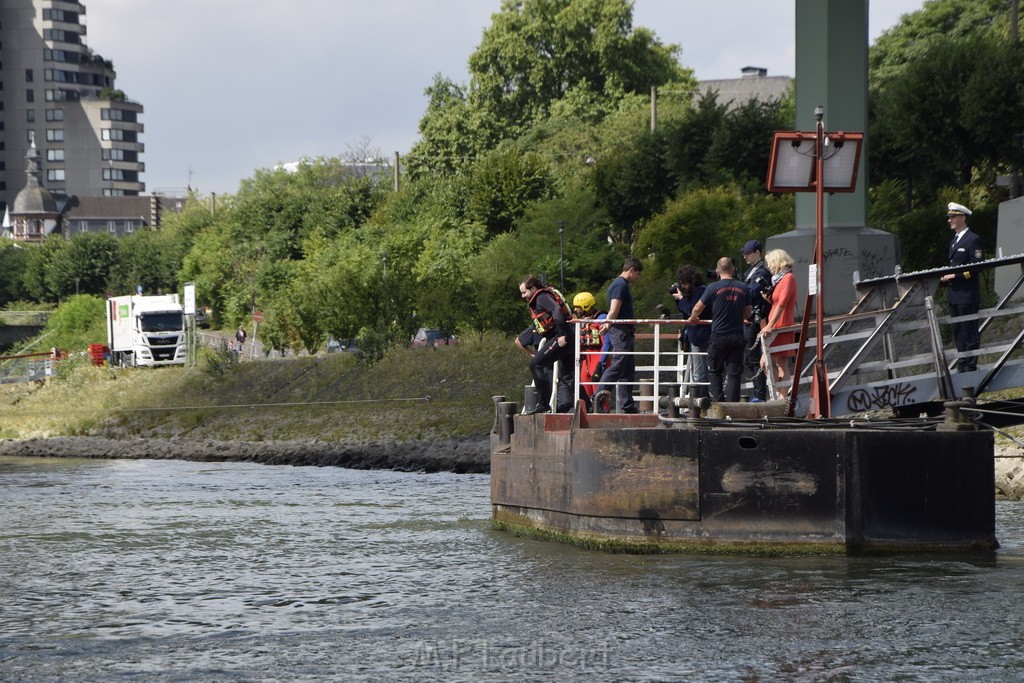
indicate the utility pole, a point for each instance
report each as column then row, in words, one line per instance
column 561, row 267
column 654, row 108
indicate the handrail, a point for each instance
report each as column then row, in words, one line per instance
column 892, row 350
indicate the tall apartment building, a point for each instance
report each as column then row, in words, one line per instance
column 55, row 89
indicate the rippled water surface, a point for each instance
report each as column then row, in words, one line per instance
column 156, row 570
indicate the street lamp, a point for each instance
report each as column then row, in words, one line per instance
column 561, row 266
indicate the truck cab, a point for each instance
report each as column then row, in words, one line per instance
column 146, row 330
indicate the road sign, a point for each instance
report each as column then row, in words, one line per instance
column 257, row 317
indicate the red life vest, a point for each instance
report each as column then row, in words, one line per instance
column 543, row 320
column 590, row 333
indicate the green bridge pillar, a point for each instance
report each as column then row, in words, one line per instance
column 832, row 71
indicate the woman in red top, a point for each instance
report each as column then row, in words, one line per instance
column 783, row 314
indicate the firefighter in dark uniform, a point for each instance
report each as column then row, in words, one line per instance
column 964, row 289
column 551, row 318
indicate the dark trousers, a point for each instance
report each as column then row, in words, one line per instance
column 752, row 361
column 623, row 366
column 725, row 363
column 541, row 369
column 966, row 335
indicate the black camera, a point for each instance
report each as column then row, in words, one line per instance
column 673, row 288
column 759, row 304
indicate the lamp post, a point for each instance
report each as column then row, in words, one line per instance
column 819, row 162
column 561, row 266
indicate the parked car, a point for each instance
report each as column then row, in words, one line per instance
column 429, row 337
column 342, row 345
column 202, row 319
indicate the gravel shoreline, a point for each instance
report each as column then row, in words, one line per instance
column 462, row 456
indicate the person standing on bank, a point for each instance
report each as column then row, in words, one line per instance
column 964, row 289
column 622, row 336
column 240, row 338
column 729, row 300
column 756, row 278
column 783, row 314
column 688, row 289
column 551, row 318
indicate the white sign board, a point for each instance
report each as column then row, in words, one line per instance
column 190, row 298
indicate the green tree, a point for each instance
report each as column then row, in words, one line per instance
column 502, row 185
column 572, row 58
column 632, row 183
column 13, row 272
column 910, row 41
column 150, row 258
column 450, row 132
column 948, row 114
column 536, row 51
column 79, row 321
column 702, row 225
column 945, row 86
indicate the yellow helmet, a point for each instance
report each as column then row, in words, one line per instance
column 584, row 301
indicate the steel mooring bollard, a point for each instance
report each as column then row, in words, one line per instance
column 954, row 418
column 497, row 401
column 506, row 421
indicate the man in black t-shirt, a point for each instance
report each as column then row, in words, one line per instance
column 622, row 336
column 729, row 300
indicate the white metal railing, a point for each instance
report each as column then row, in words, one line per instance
column 660, row 367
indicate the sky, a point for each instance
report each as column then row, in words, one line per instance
column 232, row 86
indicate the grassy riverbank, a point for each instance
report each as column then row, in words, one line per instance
column 410, row 395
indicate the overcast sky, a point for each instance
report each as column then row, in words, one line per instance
column 230, row 86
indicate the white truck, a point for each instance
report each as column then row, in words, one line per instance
column 146, row 330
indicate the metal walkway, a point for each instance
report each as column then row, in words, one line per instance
column 894, row 349
column 892, row 352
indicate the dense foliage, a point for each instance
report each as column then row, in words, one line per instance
column 544, row 162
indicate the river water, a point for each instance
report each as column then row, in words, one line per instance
column 173, row 570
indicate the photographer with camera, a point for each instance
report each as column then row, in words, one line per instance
column 783, row 314
column 758, row 279
column 687, row 290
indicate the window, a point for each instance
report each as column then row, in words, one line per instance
column 120, row 174
column 62, row 95
column 30, row 95
column 54, row 114
column 28, row 75
column 108, row 192
column 56, row 174
column 112, row 226
column 54, row 134
column 118, row 134
column 55, row 155
column 30, row 115
column 129, row 226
